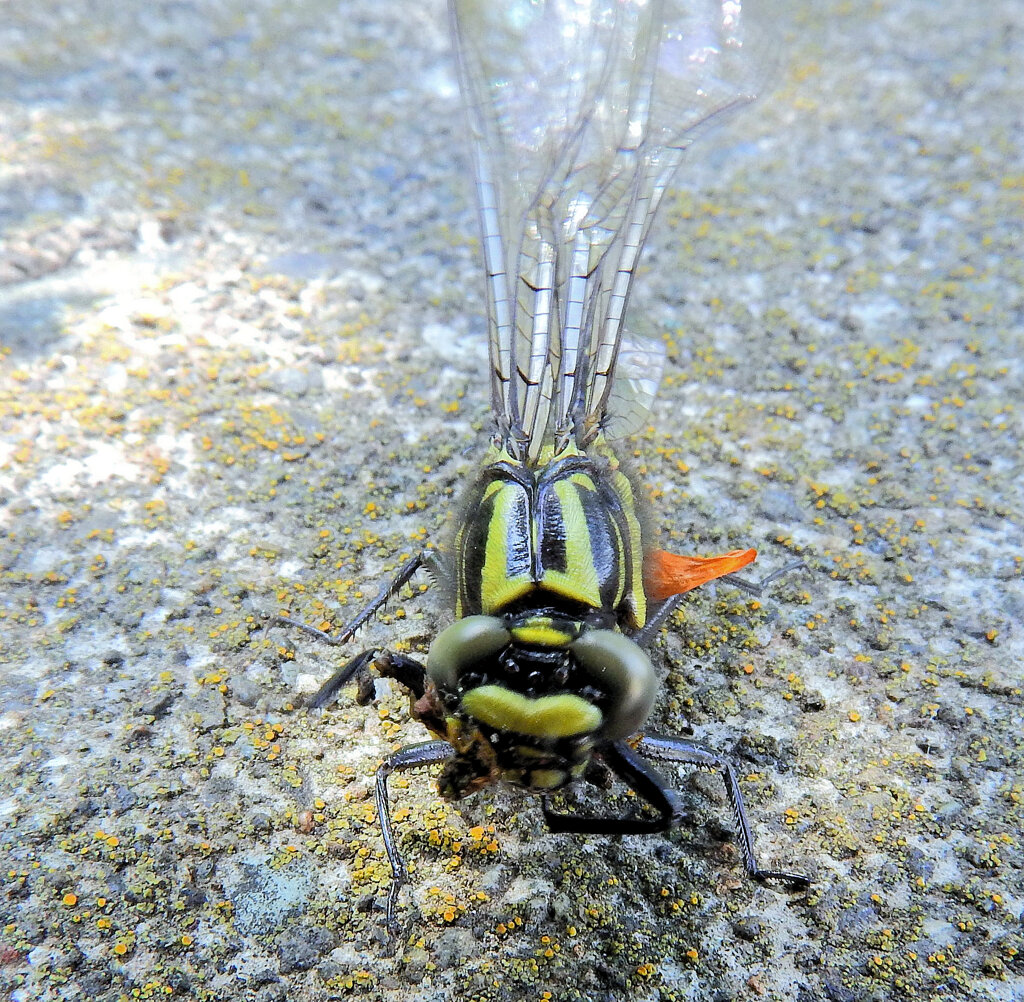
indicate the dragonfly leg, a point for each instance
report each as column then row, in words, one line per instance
column 408, row 672
column 405, row 670
column 675, row 749
column 645, row 781
column 411, row 757
column 756, row 588
column 404, row 575
column 392, row 588
column 656, row 618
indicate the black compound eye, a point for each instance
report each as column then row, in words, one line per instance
column 618, row 667
column 462, row 644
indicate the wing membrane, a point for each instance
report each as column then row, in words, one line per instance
column 580, row 112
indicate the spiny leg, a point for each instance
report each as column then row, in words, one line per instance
column 358, row 667
column 408, row 672
column 674, row 749
column 404, row 575
column 643, row 779
column 656, row 619
column 756, row 588
column 411, row 757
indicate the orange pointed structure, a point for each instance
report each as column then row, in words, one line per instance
column 667, row 574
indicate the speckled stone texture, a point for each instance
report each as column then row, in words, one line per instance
column 241, row 372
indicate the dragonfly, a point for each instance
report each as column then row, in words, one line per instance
column 580, row 113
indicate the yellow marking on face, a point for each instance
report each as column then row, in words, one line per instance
column 541, row 634
column 526, row 752
column 561, row 716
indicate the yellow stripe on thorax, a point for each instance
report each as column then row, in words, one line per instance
column 634, row 550
column 497, row 587
column 581, row 581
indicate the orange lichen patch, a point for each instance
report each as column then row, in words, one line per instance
column 667, row 574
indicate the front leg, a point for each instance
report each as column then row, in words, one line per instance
column 623, row 762
column 756, row 588
column 407, row 671
column 410, row 757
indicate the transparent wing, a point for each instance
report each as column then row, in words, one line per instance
column 638, row 367
column 580, row 112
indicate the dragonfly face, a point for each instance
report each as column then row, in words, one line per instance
column 527, row 697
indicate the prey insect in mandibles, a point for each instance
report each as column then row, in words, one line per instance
column 580, row 113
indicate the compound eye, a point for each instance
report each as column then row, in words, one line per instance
column 620, row 668
column 461, row 644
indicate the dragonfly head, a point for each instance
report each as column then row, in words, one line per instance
column 527, row 698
